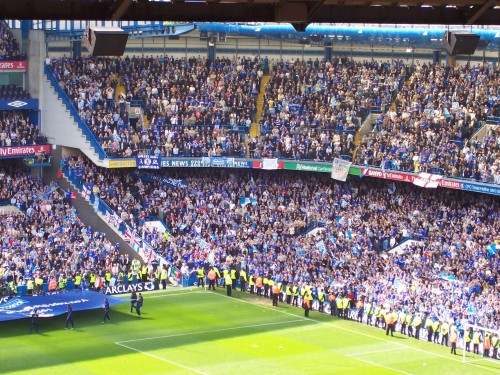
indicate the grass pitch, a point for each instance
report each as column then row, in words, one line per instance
column 193, row 331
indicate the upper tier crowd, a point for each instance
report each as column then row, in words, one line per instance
column 429, row 128
column 191, row 107
column 16, row 129
column 312, row 110
column 9, row 47
column 451, row 274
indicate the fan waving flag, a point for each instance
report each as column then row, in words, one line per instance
column 133, row 239
column 86, row 192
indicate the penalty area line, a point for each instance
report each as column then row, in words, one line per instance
column 162, row 359
column 375, row 352
column 377, row 364
column 360, row 333
column 210, row 331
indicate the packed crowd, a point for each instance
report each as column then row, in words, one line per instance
column 430, row 128
column 193, row 108
column 312, row 110
column 45, row 241
column 451, row 274
column 9, row 47
column 16, row 129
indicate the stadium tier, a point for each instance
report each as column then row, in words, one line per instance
column 117, row 212
column 311, row 110
column 9, row 46
column 394, row 247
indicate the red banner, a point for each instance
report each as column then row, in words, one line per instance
column 23, row 150
column 388, row 175
column 449, row 184
column 13, row 66
column 257, row 164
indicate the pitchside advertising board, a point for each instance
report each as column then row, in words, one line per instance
column 129, row 288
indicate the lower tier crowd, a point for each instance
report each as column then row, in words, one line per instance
column 291, row 228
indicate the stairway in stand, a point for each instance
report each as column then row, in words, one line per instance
column 255, row 127
column 120, row 89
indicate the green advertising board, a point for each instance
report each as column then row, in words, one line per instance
column 315, row 167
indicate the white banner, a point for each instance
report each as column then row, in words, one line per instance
column 269, row 164
column 340, row 169
column 427, row 180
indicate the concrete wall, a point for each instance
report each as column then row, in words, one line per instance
column 58, row 125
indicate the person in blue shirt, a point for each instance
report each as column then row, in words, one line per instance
column 106, row 311
column 69, row 317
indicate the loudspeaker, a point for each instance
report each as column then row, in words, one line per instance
column 460, row 42
column 105, row 41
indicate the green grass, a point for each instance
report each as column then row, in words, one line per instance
column 189, row 331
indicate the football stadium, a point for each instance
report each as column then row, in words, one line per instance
column 254, row 186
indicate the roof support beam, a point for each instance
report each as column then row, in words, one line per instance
column 314, row 8
column 481, row 11
column 118, row 11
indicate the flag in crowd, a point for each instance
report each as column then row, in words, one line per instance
column 52, row 187
column 133, row 239
column 96, row 204
column 86, row 192
column 321, row 247
column 244, row 201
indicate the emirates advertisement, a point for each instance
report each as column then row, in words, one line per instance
column 11, row 152
column 13, row 66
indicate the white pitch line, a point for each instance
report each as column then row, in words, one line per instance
column 210, row 331
column 378, row 365
column 375, row 351
column 173, row 294
column 362, row 334
column 163, row 359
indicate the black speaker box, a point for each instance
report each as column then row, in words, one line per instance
column 460, row 42
column 105, row 41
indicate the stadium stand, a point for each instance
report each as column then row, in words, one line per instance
column 191, row 108
column 312, row 111
column 11, row 92
column 16, row 129
column 9, row 47
column 430, row 128
column 307, row 229
column 45, row 241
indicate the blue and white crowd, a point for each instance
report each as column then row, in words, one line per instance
column 311, row 110
column 451, row 273
column 44, row 241
column 296, row 229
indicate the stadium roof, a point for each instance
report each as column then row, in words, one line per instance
column 298, row 12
